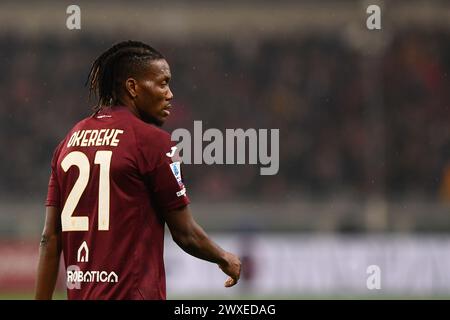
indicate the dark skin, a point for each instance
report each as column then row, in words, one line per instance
column 49, row 255
column 148, row 97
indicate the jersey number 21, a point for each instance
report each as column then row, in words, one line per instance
column 79, row 159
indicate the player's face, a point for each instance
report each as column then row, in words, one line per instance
column 153, row 93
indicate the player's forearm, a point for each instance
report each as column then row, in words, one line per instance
column 48, row 266
column 198, row 244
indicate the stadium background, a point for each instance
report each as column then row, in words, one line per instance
column 363, row 115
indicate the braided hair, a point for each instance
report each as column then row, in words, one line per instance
column 112, row 67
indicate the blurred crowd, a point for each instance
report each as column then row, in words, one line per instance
column 338, row 132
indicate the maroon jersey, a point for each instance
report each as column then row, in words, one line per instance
column 111, row 178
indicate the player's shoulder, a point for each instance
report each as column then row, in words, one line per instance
column 145, row 135
column 149, row 131
column 142, row 130
column 150, row 136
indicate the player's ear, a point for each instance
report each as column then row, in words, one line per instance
column 131, row 86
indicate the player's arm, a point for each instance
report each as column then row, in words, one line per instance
column 194, row 240
column 49, row 255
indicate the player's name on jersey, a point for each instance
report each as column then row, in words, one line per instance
column 88, row 138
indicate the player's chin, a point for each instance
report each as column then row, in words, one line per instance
column 160, row 120
column 157, row 120
column 163, row 116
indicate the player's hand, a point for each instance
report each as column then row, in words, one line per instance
column 231, row 267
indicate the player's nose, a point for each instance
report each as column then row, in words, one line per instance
column 169, row 95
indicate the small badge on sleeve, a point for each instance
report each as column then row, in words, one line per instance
column 176, row 170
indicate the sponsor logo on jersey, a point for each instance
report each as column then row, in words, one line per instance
column 83, row 253
column 75, row 276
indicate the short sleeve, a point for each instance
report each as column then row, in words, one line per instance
column 163, row 174
column 53, row 193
